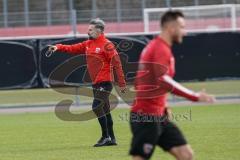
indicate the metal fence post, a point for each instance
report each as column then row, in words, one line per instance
column 146, row 21
column 196, row 2
column 77, row 98
column 118, row 9
column 143, row 6
column 94, row 8
column 71, row 5
column 26, row 12
column 49, row 16
column 5, row 13
column 70, row 8
column 168, row 3
column 233, row 17
column 73, row 15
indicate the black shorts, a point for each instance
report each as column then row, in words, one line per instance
column 151, row 131
column 101, row 92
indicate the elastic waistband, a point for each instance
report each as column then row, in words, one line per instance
column 102, row 83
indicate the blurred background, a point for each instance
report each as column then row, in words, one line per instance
column 69, row 17
column 209, row 57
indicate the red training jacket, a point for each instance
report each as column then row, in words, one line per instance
column 154, row 79
column 102, row 59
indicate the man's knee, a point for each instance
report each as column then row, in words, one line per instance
column 187, row 154
column 182, row 153
column 97, row 107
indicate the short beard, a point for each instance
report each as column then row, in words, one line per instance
column 91, row 37
column 175, row 40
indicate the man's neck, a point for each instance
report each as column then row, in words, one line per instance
column 165, row 36
column 100, row 36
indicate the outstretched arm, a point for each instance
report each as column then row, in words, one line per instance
column 182, row 91
column 78, row 48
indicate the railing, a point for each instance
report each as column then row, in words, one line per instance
column 199, row 18
column 72, row 23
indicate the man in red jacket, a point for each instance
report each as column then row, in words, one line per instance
column 149, row 123
column 102, row 58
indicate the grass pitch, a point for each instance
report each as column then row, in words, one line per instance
column 29, row 97
column 213, row 131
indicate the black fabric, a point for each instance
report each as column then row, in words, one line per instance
column 144, row 134
column 103, row 123
column 217, row 56
column 18, row 65
column 110, row 126
column 171, row 136
column 101, row 107
column 147, row 134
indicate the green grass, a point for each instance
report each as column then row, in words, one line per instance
column 213, row 131
column 50, row 96
column 30, row 96
column 216, row 87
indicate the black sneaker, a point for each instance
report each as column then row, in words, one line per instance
column 113, row 142
column 104, row 141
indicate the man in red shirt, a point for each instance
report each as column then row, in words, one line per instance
column 102, row 58
column 149, row 123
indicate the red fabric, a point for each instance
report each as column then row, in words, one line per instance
column 102, row 58
column 156, row 60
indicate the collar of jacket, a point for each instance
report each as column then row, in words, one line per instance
column 100, row 38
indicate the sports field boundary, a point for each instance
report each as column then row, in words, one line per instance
column 41, row 108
